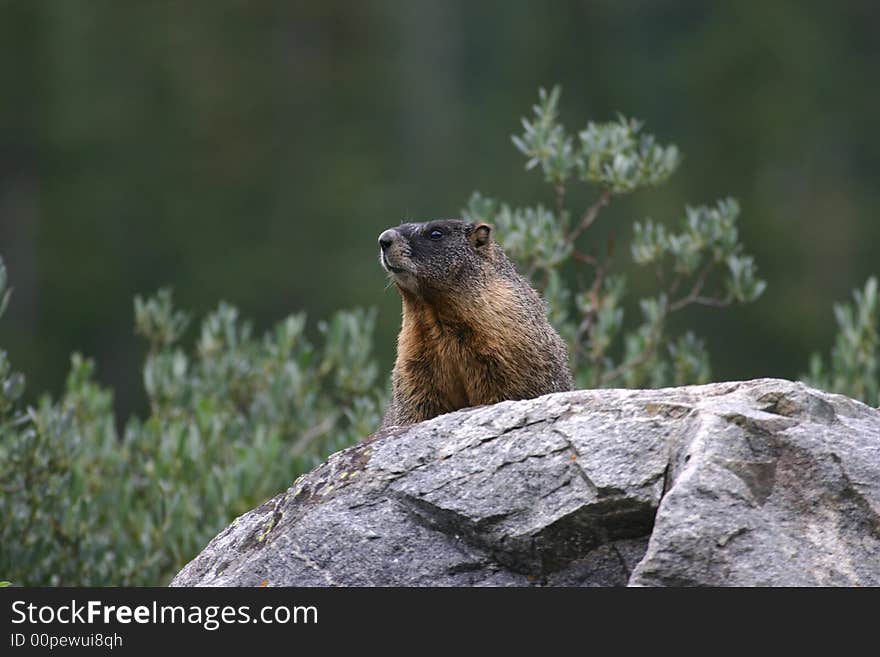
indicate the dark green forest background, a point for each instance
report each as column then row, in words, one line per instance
column 252, row 152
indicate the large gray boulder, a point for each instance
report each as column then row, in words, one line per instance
column 766, row 482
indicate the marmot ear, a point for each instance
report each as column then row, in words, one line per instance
column 480, row 235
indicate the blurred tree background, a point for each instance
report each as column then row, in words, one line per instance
column 252, row 152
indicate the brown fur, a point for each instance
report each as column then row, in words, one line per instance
column 473, row 331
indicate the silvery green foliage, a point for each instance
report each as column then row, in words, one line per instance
column 233, row 420
column 708, row 239
column 5, row 292
column 700, row 263
column 616, row 155
column 854, row 366
column 533, row 235
column 545, row 142
column 11, row 383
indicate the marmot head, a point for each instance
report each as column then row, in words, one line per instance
column 435, row 257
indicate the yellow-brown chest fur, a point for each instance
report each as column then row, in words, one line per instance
column 456, row 355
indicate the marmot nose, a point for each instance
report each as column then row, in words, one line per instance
column 387, row 238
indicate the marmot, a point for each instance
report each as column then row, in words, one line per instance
column 474, row 331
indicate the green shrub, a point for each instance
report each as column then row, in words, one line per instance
column 700, row 263
column 854, row 366
column 232, row 422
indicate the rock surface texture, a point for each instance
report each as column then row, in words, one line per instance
column 767, row 483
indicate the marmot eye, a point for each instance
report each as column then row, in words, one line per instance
column 435, row 234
